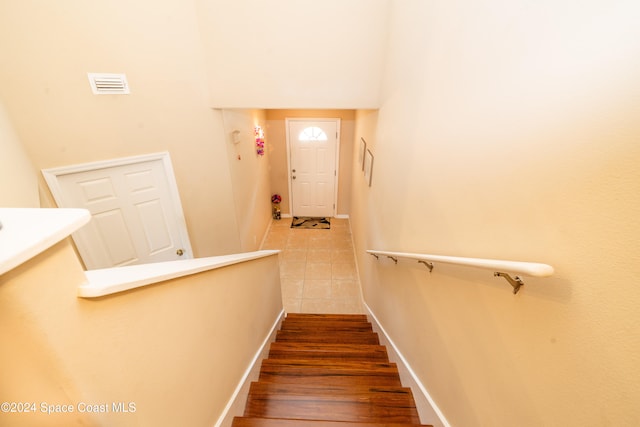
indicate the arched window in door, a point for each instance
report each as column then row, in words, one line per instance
column 312, row 133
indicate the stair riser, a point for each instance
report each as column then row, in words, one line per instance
column 336, row 380
column 326, row 328
column 265, row 388
column 341, row 317
column 337, row 338
column 280, row 422
column 292, row 350
column 301, row 354
column 329, row 366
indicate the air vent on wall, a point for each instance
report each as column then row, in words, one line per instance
column 103, row 84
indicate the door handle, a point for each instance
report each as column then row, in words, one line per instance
column 293, row 177
column 179, row 252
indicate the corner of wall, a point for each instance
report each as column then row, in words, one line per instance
column 16, row 168
column 427, row 409
column 237, row 402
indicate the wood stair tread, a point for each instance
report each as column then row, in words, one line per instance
column 327, row 351
column 308, row 389
column 336, row 337
column 334, row 365
column 335, row 408
column 389, row 404
column 319, row 372
column 282, row 422
column 326, row 326
column 314, row 316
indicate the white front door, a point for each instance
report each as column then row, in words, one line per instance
column 313, row 147
column 136, row 213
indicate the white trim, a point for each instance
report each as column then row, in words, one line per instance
column 235, row 405
column 288, row 143
column 336, row 181
column 107, row 281
column 338, row 122
column 427, row 408
column 27, row 232
column 51, row 177
column 342, row 216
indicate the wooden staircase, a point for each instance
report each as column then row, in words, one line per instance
column 328, row 371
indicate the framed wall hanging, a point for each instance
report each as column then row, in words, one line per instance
column 361, row 152
column 368, row 167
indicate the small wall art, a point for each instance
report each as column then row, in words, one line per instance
column 259, row 133
column 368, row 167
column 361, row 151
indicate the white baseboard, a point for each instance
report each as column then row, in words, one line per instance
column 237, row 402
column 427, row 409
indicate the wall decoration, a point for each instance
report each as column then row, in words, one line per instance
column 259, row 134
column 235, row 137
column 361, row 151
column 368, row 167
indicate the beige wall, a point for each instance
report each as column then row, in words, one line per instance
column 18, row 179
column 177, row 349
column 172, row 62
column 47, row 50
column 294, row 54
column 249, row 175
column 510, row 130
column 277, row 149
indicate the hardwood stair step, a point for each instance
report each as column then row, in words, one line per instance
column 326, row 325
column 369, row 406
column 318, row 372
column 295, row 350
column 314, row 316
column 265, row 387
column 339, row 337
column 274, row 400
column 281, row 422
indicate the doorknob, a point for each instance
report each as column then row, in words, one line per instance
column 294, row 171
column 179, row 252
column 293, row 177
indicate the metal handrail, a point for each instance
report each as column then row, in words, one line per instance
column 501, row 268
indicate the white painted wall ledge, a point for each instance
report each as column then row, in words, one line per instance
column 27, row 232
column 519, row 267
column 108, row 281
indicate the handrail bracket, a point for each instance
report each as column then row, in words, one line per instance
column 515, row 281
column 395, row 260
column 428, row 264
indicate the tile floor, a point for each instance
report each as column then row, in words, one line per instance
column 317, row 268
